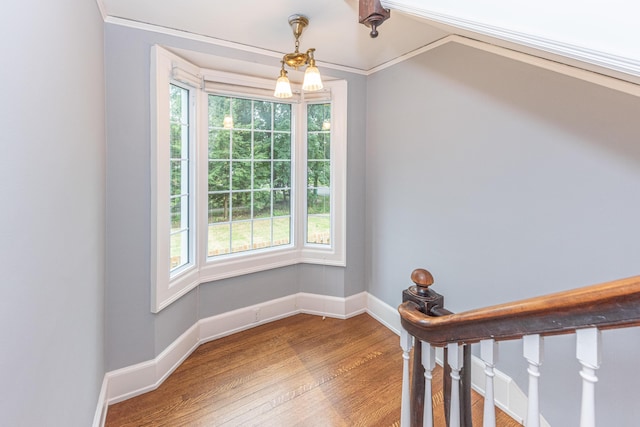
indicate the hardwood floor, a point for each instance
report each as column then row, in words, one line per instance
column 298, row 371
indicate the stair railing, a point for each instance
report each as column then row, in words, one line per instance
column 584, row 311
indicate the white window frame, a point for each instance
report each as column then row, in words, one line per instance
column 168, row 68
column 312, row 253
column 169, row 286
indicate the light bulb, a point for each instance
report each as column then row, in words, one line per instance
column 283, row 87
column 312, row 79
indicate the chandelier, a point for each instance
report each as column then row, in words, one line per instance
column 297, row 59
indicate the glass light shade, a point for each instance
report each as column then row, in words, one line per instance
column 283, row 88
column 228, row 122
column 312, row 80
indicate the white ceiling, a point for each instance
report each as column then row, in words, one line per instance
column 333, row 29
column 342, row 42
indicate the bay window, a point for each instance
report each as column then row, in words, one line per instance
column 241, row 181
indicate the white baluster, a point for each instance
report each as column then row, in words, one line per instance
column 455, row 359
column 489, row 355
column 533, row 349
column 406, row 342
column 588, row 352
column 429, row 363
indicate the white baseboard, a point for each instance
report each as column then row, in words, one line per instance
column 101, row 408
column 131, row 381
column 137, row 379
column 340, row 308
column 228, row 323
column 384, row 313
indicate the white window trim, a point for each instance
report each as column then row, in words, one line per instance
column 165, row 289
column 313, row 253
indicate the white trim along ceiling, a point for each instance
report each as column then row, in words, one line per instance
column 600, row 37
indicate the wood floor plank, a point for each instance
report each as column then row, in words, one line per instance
column 298, row 371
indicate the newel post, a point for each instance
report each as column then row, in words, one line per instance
column 426, row 299
column 372, row 14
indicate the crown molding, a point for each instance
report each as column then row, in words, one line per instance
column 101, row 8
column 616, row 63
column 567, row 70
column 409, row 55
column 219, row 42
column 602, row 59
column 557, row 67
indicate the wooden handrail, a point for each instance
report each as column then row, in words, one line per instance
column 608, row 305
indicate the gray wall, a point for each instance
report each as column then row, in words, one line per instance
column 52, row 191
column 133, row 333
column 506, row 181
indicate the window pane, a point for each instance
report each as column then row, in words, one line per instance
column 178, row 142
column 240, row 236
column 319, row 229
column 179, row 213
column 318, row 146
column 179, row 185
column 281, row 231
column 247, row 190
column 179, row 249
column 241, row 172
column 241, row 206
column 179, row 236
column 262, row 115
column 319, row 174
column 178, row 107
column 175, row 167
column 219, row 207
column 241, row 113
column 282, row 117
column 176, row 214
column 282, row 202
column 219, row 242
column 219, row 108
column 261, row 175
column 219, row 143
column 318, row 117
column 179, row 179
column 241, row 144
column 262, row 204
column 281, row 174
column 262, row 145
column 282, row 146
column 219, row 176
column 318, row 201
column 261, row 234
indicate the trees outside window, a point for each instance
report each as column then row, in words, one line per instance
column 249, row 175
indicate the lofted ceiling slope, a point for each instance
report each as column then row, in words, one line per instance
column 342, row 43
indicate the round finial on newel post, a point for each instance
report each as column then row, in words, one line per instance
column 423, row 279
column 420, row 293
